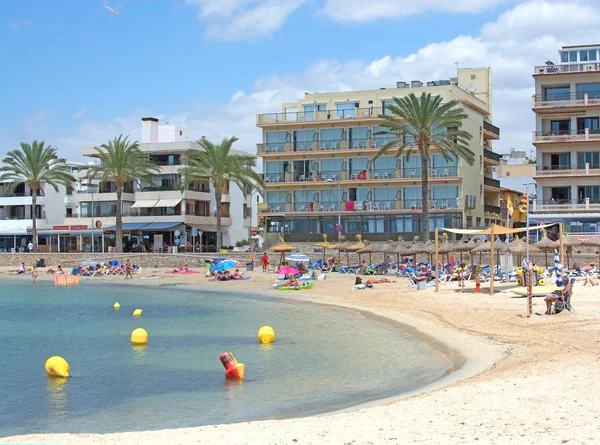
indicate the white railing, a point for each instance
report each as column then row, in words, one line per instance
column 573, row 101
column 569, row 172
column 565, row 207
column 568, row 68
column 567, row 136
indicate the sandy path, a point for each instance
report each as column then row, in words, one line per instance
column 542, row 391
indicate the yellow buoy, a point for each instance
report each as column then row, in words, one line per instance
column 266, row 335
column 137, row 313
column 139, row 337
column 116, row 305
column 57, row 367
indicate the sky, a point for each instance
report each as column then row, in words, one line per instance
column 75, row 74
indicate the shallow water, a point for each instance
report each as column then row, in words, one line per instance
column 323, row 359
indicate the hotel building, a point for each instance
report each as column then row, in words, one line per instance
column 318, row 165
column 567, row 139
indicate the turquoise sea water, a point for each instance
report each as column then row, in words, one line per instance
column 324, row 358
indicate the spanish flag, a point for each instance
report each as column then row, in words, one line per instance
column 509, row 205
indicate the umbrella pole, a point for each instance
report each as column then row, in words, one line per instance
column 546, row 257
column 560, row 237
column 370, row 262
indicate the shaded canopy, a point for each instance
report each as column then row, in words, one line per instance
column 568, row 241
column 283, row 246
column 324, row 244
column 518, row 245
column 473, row 242
column 446, row 247
column 462, row 246
column 400, row 249
column 371, row 248
column 499, row 246
column 418, row 247
column 545, row 243
column 359, row 244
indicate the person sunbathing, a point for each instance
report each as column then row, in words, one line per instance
column 236, row 275
column 293, row 281
column 379, row 280
column 186, row 268
column 589, row 281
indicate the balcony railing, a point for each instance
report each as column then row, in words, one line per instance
column 491, row 129
column 489, row 154
column 491, row 209
column 566, row 136
column 554, row 170
column 319, row 116
column 566, row 100
column 375, row 205
column 491, row 182
column 567, row 68
column 566, row 205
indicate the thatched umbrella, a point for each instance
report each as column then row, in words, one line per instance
column 519, row 246
column 567, row 241
column 370, row 248
column 487, row 247
column 460, row 247
column 359, row 244
column 342, row 246
column 399, row 250
column 417, row 247
column 325, row 245
column 592, row 242
column 545, row 244
column 282, row 248
column 445, row 246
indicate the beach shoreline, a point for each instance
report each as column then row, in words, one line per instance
column 493, row 357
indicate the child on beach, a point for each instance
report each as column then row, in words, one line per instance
column 264, row 261
column 34, row 274
column 128, row 270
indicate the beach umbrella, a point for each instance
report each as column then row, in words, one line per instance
column 343, row 246
column 286, row 270
column 324, row 245
column 592, row 242
column 226, row 265
column 368, row 249
column 519, row 246
column 359, row 244
column 558, row 269
column 545, row 244
column 283, row 247
column 298, row 258
column 446, row 246
column 487, row 247
column 400, row 250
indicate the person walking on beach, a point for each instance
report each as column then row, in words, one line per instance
column 128, row 271
column 34, row 274
column 264, row 261
column 30, row 247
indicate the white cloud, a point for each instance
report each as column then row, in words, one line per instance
column 512, row 45
column 244, row 19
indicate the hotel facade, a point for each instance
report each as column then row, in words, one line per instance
column 319, row 170
column 567, row 139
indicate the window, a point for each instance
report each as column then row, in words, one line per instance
column 469, row 222
column 276, row 200
column 359, row 194
column 592, row 158
column 303, row 170
column 275, row 170
column 375, row 224
column 303, row 139
column 407, row 224
column 303, row 199
column 331, row 169
column 560, row 127
column 589, row 123
column 411, row 166
column 346, row 110
column 309, row 111
column 591, row 192
column 331, row 199
column 411, row 197
column 478, row 221
column 560, row 161
column 557, row 93
column 275, row 140
column 445, row 196
column 586, row 55
column 384, row 104
column 382, row 136
column 445, row 221
column 384, row 167
column 442, row 167
column 331, row 138
column 357, row 137
column 592, row 90
column 473, row 76
column 357, row 165
column 385, row 197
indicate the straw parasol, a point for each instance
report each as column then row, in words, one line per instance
column 519, row 246
column 569, row 242
column 283, row 247
column 359, row 244
column 370, row 248
column 417, row 247
column 545, row 244
column 325, row 245
column 487, row 247
column 446, row 246
column 343, row 246
column 592, row 242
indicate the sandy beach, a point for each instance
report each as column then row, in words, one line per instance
column 525, row 380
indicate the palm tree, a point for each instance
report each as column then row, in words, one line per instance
column 216, row 164
column 422, row 123
column 35, row 164
column 121, row 161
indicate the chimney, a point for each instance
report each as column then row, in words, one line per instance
column 149, row 130
column 416, row 84
column 401, row 85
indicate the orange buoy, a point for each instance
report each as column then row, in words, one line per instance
column 233, row 369
column 477, row 286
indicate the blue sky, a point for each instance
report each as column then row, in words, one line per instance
column 76, row 71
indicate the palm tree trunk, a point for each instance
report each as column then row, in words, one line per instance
column 119, row 222
column 425, row 195
column 218, row 196
column 34, row 220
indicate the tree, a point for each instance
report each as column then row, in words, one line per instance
column 121, row 161
column 422, row 123
column 216, row 164
column 35, row 164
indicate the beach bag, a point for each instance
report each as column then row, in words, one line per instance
column 358, row 281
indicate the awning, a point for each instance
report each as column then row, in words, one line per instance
column 144, row 203
column 207, row 228
column 167, row 202
column 498, row 230
column 162, row 225
column 127, row 227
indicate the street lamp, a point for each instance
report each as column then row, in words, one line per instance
column 339, row 183
column 527, row 184
column 91, row 189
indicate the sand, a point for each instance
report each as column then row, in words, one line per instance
column 524, row 380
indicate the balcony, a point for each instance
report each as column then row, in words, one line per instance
column 389, row 206
column 491, row 209
column 555, row 171
column 491, row 182
column 545, row 137
column 490, row 131
column 557, row 206
column 573, row 101
column 568, row 68
column 491, row 156
column 301, row 117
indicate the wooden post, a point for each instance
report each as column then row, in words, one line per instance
column 492, row 259
column 437, row 278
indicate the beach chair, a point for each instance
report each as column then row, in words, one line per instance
column 564, row 301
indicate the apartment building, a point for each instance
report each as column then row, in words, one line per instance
column 318, row 167
column 567, row 139
column 161, row 207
